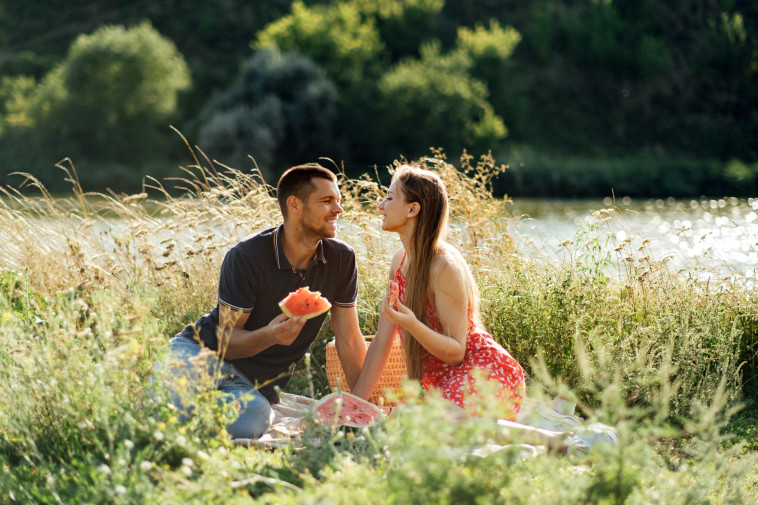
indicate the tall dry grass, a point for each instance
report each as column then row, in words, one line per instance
column 94, row 284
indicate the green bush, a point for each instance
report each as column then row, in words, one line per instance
column 434, row 101
column 281, row 109
column 535, row 172
column 116, row 88
column 109, row 100
column 336, row 36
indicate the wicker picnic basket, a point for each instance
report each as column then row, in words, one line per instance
column 391, row 379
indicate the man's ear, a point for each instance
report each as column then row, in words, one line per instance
column 294, row 204
column 415, row 209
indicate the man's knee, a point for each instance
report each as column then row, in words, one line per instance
column 254, row 418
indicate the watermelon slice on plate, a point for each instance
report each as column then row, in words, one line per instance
column 345, row 409
column 304, row 303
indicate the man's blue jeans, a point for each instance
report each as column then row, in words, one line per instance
column 255, row 411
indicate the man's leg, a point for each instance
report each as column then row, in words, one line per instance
column 255, row 414
column 185, row 367
column 189, row 360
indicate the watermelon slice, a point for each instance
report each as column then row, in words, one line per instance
column 394, row 292
column 345, row 409
column 304, row 303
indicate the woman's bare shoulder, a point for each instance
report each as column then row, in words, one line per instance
column 448, row 264
column 397, row 258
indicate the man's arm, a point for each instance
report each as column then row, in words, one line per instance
column 351, row 346
column 237, row 342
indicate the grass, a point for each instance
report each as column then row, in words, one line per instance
column 93, row 285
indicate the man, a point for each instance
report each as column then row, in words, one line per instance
column 258, row 345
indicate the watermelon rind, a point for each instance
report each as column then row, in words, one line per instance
column 374, row 413
column 288, row 313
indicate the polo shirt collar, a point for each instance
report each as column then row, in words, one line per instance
column 281, row 259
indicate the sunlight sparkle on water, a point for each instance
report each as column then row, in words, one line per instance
column 715, row 238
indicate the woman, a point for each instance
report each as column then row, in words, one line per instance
column 446, row 347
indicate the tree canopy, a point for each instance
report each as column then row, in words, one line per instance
column 578, row 79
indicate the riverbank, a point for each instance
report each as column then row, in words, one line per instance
column 540, row 173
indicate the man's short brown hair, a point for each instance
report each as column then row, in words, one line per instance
column 297, row 181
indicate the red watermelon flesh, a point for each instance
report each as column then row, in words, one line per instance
column 394, row 291
column 304, row 303
column 345, row 409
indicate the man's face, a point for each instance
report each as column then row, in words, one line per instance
column 321, row 209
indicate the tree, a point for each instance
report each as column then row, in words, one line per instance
column 337, row 36
column 435, row 102
column 113, row 94
column 281, row 110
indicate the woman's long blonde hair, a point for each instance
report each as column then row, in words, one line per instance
column 425, row 188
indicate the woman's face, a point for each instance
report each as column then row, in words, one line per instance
column 394, row 208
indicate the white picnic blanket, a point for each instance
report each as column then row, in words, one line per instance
column 557, row 415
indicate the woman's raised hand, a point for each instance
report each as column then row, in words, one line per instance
column 397, row 313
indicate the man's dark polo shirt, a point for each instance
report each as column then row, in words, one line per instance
column 255, row 277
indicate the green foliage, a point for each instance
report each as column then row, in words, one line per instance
column 336, row 36
column 404, row 25
column 434, row 101
column 281, row 109
column 643, row 349
column 18, row 301
column 488, row 46
column 591, row 80
column 655, row 325
column 107, row 101
column 539, row 173
column 124, row 81
column 16, row 96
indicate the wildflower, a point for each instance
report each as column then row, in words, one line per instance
column 146, row 465
column 158, row 436
column 7, row 316
column 134, row 346
column 128, row 444
column 120, row 489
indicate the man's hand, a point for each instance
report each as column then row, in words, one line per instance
column 285, row 330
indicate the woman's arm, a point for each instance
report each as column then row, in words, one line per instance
column 450, row 294
column 379, row 350
column 376, row 358
column 350, row 344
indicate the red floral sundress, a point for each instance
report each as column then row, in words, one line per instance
column 458, row 383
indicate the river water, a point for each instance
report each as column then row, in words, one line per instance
column 705, row 238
